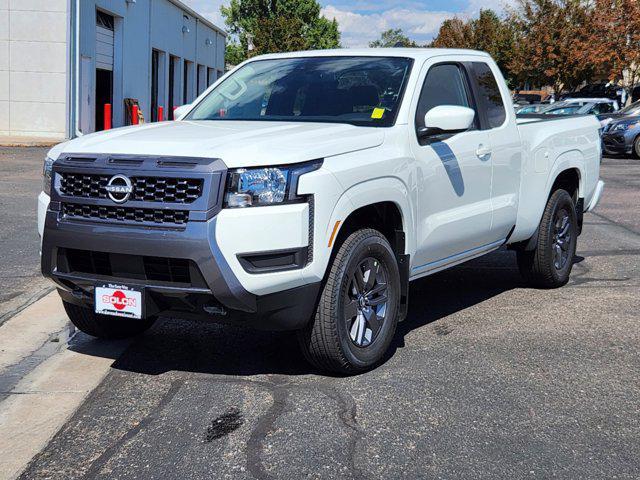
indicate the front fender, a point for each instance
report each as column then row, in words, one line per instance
column 385, row 189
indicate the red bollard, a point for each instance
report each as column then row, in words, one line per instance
column 160, row 114
column 107, row 116
column 134, row 115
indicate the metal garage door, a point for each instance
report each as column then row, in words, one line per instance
column 104, row 41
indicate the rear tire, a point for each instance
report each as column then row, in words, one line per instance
column 357, row 313
column 105, row 326
column 549, row 264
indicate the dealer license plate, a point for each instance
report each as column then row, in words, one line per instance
column 119, row 300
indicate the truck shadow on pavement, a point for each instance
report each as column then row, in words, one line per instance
column 207, row 348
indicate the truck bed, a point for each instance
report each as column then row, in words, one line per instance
column 550, row 145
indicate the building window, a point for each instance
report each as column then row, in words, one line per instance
column 104, row 20
column 211, row 76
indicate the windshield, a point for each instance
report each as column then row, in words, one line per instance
column 633, row 109
column 356, row 90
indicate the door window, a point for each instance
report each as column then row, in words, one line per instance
column 445, row 84
column 489, row 93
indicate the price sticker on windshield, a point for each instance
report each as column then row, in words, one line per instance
column 378, row 113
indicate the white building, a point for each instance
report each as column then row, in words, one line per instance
column 62, row 60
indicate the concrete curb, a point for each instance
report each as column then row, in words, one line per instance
column 45, row 375
column 28, row 142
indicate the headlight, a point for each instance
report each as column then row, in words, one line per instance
column 46, row 175
column 625, row 126
column 254, row 187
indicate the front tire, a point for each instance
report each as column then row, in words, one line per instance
column 357, row 313
column 549, row 264
column 636, row 147
column 105, row 326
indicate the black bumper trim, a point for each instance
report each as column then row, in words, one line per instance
column 196, row 242
column 282, row 311
column 274, row 261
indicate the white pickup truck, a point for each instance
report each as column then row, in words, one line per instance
column 304, row 191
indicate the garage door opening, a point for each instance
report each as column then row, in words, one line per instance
column 104, row 65
column 174, row 81
column 104, row 95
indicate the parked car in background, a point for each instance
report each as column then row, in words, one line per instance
column 526, row 98
column 533, row 108
column 531, row 97
column 622, row 136
column 582, row 106
column 628, row 111
column 597, row 90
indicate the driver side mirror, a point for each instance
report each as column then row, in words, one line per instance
column 180, row 111
column 447, row 119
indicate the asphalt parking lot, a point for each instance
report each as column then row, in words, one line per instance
column 20, row 184
column 486, row 379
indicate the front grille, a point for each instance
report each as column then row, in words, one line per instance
column 155, row 269
column 125, row 215
column 145, row 189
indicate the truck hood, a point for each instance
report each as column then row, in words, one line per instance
column 237, row 143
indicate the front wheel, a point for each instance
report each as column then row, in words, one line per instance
column 357, row 313
column 549, row 264
column 105, row 326
column 636, row 146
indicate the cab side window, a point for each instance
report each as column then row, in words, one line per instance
column 490, row 98
column 445, row 84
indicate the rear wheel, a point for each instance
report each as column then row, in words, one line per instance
column 357, row 313
column 105, row 326
column 549, row 264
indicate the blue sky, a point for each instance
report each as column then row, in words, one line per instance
column 362, row 20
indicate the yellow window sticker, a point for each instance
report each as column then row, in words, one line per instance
column 378, row 113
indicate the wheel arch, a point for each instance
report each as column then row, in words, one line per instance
column 568, row 171
column 382, row 204
column 567, row 175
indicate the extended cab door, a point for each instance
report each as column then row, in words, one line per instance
column 453, row 175
column 506, row 157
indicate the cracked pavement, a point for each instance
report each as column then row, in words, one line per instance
column 486, row 378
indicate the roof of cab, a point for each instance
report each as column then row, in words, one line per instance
column 377, row 52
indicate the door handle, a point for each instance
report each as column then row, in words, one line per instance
column 483, row 152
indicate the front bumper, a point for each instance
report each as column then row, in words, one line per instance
column 617, row 143
column 214, row 290
column 220, row 297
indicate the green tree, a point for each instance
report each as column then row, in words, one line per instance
column 454, row 33
column 393, row 38
column 495, row 36
column 550, row 35
column 488, row 33
column 276, row 26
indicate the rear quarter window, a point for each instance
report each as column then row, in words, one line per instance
column 490, row 97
